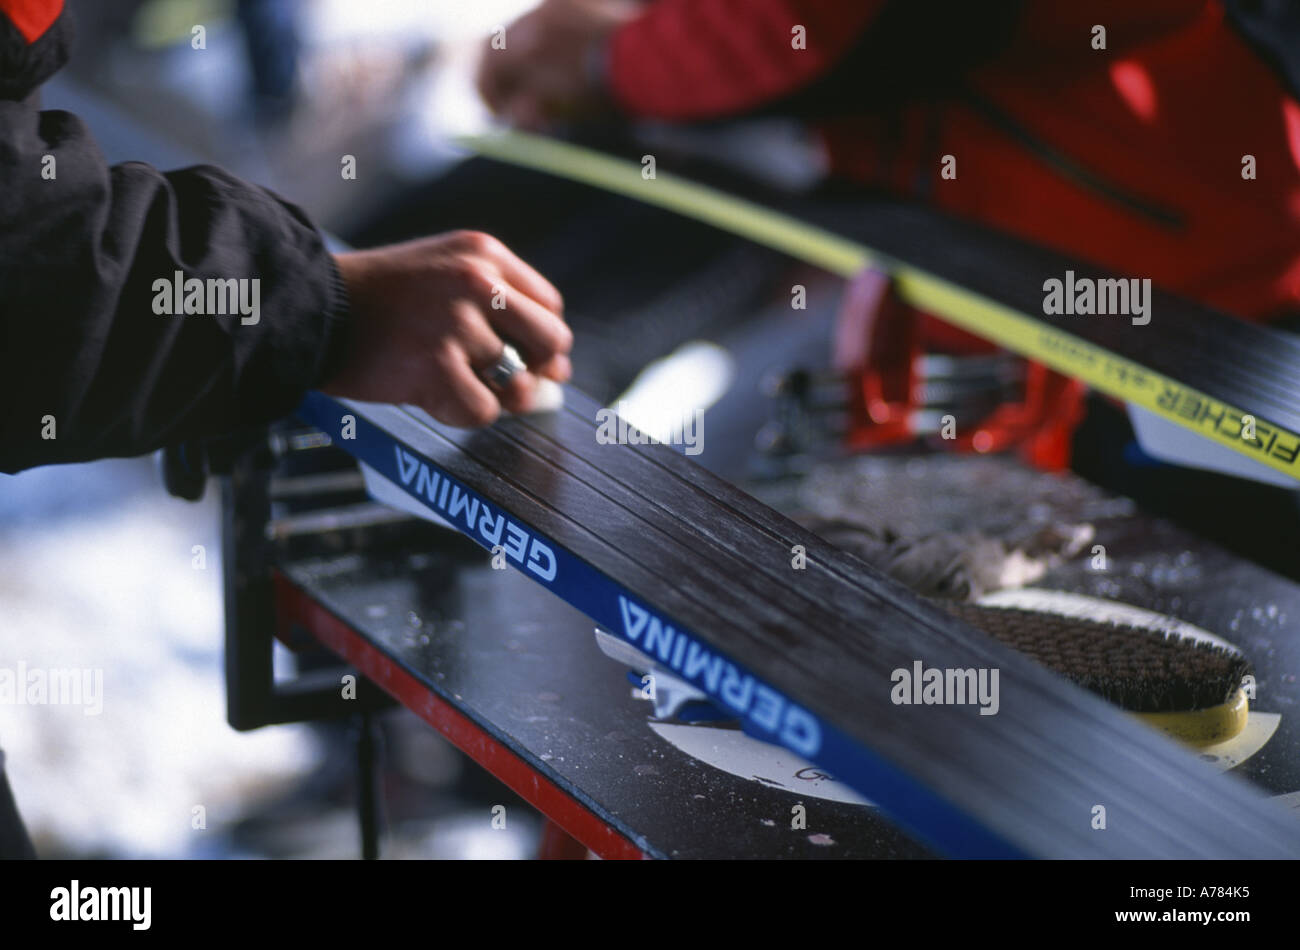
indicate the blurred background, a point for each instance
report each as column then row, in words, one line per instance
column 103, row 570
column 100, row 569
column 97, row 564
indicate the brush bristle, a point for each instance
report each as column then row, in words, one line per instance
column 1137, row 669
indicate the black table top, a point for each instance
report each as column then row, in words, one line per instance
column 525, row 667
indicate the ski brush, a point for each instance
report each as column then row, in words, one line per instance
column 1187, row 687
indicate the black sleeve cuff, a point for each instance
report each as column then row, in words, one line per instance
column 338, row 328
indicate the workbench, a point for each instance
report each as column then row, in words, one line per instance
column 513, row 676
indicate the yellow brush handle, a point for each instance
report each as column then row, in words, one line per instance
column 1202, row 727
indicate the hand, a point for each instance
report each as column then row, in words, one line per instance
column 428, row 315
column 544, row 74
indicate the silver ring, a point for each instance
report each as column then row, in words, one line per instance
column 508, row 364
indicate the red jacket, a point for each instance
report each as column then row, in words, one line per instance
column 1163, row 115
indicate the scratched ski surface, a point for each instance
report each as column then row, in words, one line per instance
column 691, row 569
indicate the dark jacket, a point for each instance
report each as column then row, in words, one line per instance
column 85, row 355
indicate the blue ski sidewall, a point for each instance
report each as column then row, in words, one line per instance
column 765, row 712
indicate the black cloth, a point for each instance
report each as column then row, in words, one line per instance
column 80, row 253
column 81, row 246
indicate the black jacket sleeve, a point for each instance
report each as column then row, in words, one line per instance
column 88, row 366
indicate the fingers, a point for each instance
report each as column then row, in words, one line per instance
column 514, row 270
column 520, row 393
column 494, row 80
column 460, row 397
column 539, row 333
column 523, row 276
column 474, row 335
column 430, row 318
column 518, row 303
column 557, row 368
column 526, row 112
column 482, row 348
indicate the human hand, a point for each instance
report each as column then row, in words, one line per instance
column 429, row 315
column 544, row 74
